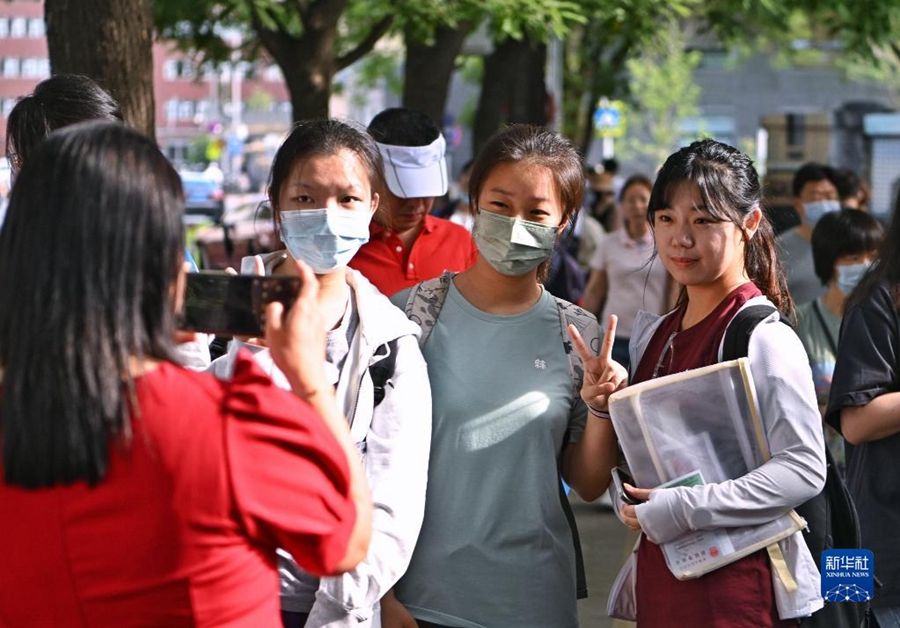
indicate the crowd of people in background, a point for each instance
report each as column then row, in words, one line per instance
column 394, row 450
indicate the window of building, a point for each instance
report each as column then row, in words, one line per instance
column 4, row 27
column 185, row 110
column 170, row 70
column 36, row 28
column 203, row 108
column 10, row 67
column 18, row 27
column 31, row 67
column 171, row 109
column 44, row 71
column 8, row 104
column 186, row 70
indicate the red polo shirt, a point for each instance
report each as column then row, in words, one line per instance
column 391, row 266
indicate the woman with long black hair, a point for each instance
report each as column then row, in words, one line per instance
column 134, row 491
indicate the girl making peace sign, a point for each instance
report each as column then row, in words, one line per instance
column 495, row 549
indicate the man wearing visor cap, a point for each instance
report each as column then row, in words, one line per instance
column 407, row 244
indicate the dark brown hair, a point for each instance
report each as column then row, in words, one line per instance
column 729, row 187
column 635, row 179
column 536, row 146
column 841, row 233
column 324, row 137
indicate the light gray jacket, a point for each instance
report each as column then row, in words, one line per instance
column 397, row 437
column 794, row 474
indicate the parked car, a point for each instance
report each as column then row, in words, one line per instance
column 245, row 230
column 203, row 195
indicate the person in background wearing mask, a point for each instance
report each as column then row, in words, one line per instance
column 322, row 195
column 844, row 245
column 407, row 244
column 495, row 548
column 815, row 195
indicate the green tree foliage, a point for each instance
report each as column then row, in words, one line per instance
column 309, row 40
column 664, row 94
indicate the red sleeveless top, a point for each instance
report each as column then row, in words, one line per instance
column 738, row 595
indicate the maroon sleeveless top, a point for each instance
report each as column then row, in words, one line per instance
column 735, row 596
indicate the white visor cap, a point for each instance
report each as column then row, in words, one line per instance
column 415, row 171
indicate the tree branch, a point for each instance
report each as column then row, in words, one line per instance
column 366, row 45
column 275, row 42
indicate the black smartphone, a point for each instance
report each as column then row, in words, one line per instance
column 620, row 477
column 233, row 305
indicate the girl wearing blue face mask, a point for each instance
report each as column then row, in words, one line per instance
column 496, row 549
column 322, row 190
column 844, row 244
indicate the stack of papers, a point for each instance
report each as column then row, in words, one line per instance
column 697, row 427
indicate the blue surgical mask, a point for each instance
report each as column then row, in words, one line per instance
column 848, row 276
column 512, row 246
column 814, row 211
column 326, row 239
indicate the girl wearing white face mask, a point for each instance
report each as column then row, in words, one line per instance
column 844, row 245
column 496, row 549
column 322, row 192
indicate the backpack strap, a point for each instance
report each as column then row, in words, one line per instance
column 570, row 314
column 736, row 343
column 424, row 303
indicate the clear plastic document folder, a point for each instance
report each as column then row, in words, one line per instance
column 702, row 426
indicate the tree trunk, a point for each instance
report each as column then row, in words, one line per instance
column 512, row 89
column 309, row 78
column 528, row 93
column 429, row 69
column 111, row 42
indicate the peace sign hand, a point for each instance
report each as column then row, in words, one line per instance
column 602, row 375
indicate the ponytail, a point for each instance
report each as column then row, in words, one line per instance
column 764, row 268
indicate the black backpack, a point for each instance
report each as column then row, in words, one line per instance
column 830, row 516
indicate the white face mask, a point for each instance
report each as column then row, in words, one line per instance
column 849, row 275
column 815, row 211
column 512, row 246
column 326, row 239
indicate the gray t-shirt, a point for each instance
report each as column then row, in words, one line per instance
column 795, row 253
column 495, row 549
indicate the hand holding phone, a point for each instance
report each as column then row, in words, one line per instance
column 296, row 338
column 620, row 477
column 233, row 305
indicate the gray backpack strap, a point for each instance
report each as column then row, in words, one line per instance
column 424, row 303
column 586, row 324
